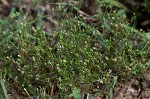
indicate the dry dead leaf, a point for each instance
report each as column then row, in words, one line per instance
column 5, row 2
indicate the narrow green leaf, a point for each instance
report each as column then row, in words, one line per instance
column 113, row 85
column 115, row 3
column 111, row 93
column 147, row 36
column 101, row 41
column 4, row 90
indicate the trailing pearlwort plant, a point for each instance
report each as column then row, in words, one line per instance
column 77, row 59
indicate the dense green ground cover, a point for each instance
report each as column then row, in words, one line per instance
column 85, row 57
